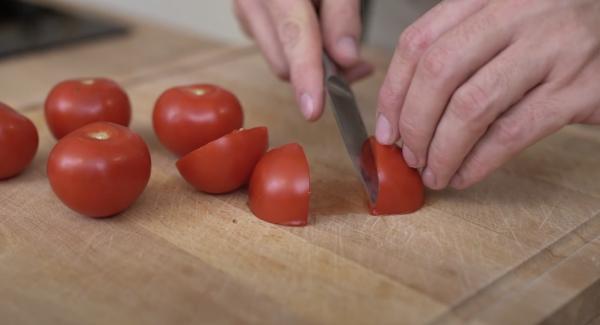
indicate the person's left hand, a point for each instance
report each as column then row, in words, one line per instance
column 475, row 82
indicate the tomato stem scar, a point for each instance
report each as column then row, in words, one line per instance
column 198, row 91
column 100, row 135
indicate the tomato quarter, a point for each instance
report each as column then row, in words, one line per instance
column 74, row 103
column 279, row 190
column 400, row 187
column 18, row 142
column 187, row 117
column 225, row 164
column 100, row 169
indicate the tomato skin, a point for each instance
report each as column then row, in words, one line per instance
column 400, row 187
column 279, row 190
column 100, row 169
column 72, row 104
column 187, row 117
column 225, row 164
column 18, row 142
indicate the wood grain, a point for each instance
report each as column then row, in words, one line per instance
column 522, row 247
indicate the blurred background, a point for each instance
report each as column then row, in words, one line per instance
column 214, row 18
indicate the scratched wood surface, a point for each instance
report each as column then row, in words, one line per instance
column 522, row 247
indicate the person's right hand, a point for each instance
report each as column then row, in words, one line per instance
column 291, row 36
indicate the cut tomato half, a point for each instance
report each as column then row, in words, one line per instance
column 400, row 188
column 225, row 164
column 279, row 190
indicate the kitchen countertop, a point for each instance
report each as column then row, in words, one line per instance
column 522, row 247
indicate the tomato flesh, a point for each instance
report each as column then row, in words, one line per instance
column 100, row 169
column 225, row 164
column 72, row 104
column 187, row 117
column 18, row 142
column 400, row 188
column 279, row 190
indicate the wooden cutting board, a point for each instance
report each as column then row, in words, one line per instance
column 522, row 247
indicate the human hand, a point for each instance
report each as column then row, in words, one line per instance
column 291, row 38
column 474, row 82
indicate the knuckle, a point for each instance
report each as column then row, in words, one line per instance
column 388, row 99
column 413, row 41
column 507, row 132
column 469, row 105
column 290, row 33
column 433, row 63
column 574, row 22
column 437, row 158
column 349, row 14
column 409, row 129
column 513, row 4
column 474, row 169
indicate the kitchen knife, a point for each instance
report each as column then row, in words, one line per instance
column 351, row 126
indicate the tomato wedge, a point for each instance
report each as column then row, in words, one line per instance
column 18, row 142
column 400, row 187
column 100, row 169
column 225, row 164
column 279, row 190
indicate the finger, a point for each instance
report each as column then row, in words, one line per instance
column 414, row 41
column 361, row 70
column 594, row 117
column 298, row 30
column 341, row 29
column 241, row 17
column 477, row 103
column 446, row 64
column 258, row 22
column 537, row 116
column 587, row 83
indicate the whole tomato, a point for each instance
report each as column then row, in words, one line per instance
column 225, row 164
column 18, row 142
column 279, row 190
column 100, row 169
column 74, row 103
column 400, row 188
column 187, row 117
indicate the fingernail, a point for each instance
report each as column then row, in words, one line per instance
column 383, row 130
column 409, row 157
column 429, row 178
column 456, row 181
column 348, row 46
column 307, row 106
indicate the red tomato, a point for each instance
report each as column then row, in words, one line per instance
column 18, row 142
column 400, row 187
column 279, row 190
column 225, row 164
column 100, row 169
column 186, row 118
column 74, row 103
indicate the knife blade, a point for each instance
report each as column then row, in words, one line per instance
column 351, row 126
